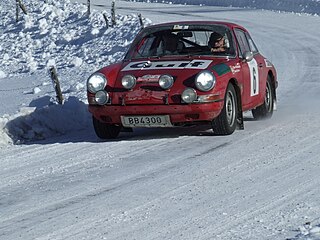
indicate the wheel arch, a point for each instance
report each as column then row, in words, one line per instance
column 237, row 88
column 273, row 82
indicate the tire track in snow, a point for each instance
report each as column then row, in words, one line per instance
column 125, row 182
column 170, row 193
column 59, row 162
column 65, row 203
column 56, row 207
column 200, row 180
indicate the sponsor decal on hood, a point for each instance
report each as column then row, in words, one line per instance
column 148, row 65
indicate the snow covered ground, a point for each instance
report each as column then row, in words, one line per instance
column 58, row 181
column 298, row 6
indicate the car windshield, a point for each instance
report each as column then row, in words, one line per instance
column 209, row 40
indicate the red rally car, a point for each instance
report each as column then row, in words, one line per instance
column 184, row 73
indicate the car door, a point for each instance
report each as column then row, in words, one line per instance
column 261, row 61
column 250, row 71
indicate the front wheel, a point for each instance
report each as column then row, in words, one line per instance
column 265, row 110
column 104, row 130
column 226, row 122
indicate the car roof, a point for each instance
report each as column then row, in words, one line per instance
column 227, row 24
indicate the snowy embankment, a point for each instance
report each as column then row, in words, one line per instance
column 60, row 34
column 298, row 6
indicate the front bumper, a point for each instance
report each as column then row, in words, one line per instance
column 179, row 114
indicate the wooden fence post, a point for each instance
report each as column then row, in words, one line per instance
column 19, row 4
column 106, row 20
column 140, row 20
column 113, row 13
column 88, row 6
column 56, row 84
column 23, row 8
column 17, row 10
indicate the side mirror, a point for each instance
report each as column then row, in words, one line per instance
column 247, row 56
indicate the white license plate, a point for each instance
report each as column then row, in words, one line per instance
column 146, row 121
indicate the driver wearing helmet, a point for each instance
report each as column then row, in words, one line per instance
column 216, row 43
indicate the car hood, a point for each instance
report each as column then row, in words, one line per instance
column 147, row 72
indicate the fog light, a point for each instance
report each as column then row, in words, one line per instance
column 189, row 95
column 101, row 97
column 166, row 81
column 128, row 81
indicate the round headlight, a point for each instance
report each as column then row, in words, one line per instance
column 128, row 81
column 96, row 82
column 205, row 81
column 166, row 81
column 101, row 97
column 189, row 95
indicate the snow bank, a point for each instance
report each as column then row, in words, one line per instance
column 2, row 74
column 308, row 232
column 60, row 33
column 298, row 6
column 57, row 33
column 50, row 120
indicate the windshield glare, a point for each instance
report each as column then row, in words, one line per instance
column 191, row 40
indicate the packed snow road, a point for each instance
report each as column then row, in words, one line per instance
column 182, row 183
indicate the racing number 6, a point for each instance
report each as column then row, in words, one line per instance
column 254, row 77
column 254, row 83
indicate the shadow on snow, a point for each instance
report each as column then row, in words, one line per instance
column 45, row 122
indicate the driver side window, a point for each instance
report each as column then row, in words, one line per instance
column 242, row 41
column 251, row 44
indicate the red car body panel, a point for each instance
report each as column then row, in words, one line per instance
column 148, row 98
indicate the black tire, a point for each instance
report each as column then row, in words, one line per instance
column 265, row 110
column 104, row 130
column 226, row 122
